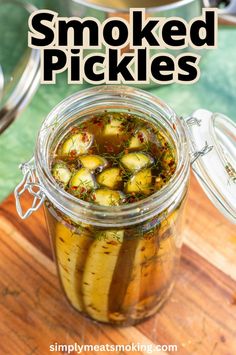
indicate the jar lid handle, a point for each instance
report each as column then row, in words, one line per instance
column 212, row 139
column 29, row 183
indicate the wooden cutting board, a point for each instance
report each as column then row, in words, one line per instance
column 199, row 317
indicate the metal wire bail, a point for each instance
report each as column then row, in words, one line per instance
column 29, row 183
column 206, row 149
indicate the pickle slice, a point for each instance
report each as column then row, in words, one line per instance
column 152, row 272
column 146, row 249
column 110, row 178
column 71, row 251
column 106, row 197
column 136, row 161
column 113, row 128
column 98, row 273
column 139, row 140
column 93, row 162
column 121, row 278
column 82, row 180
column 78, row 143
column 61, row 173
column 140, row 182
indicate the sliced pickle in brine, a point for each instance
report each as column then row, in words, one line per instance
column 106, row 197
column 121, row 278
column 71, row 252
column 113, row 128
column 119, row 151
column 61, row 173
column 152, row 271
column 139, row 140
column 110, row 178
column 98, row 272
column 82, row 180
column 146, row 250
column 93, row 162
column 136, row 161
column 140, row 182
column 78, row 143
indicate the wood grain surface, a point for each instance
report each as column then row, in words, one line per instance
column 199, row 317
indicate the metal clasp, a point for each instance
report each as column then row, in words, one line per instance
column 29, row 183
column 191, row 121
column 200, row 153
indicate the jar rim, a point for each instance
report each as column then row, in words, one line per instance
column 112, row 9
column 102, row 215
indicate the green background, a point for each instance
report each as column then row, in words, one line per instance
column 215, row 91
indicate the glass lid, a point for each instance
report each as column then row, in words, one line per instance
column 19, row 65
column 213, row 150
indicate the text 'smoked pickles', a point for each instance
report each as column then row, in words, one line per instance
column 119, row 50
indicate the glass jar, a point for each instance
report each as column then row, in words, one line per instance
column 116, row 264
column 19, row 65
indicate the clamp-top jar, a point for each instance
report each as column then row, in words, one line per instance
column 117, row 264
